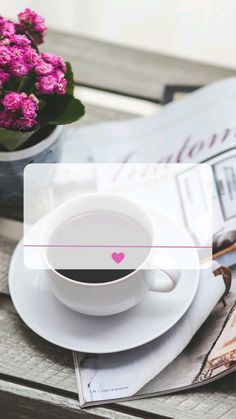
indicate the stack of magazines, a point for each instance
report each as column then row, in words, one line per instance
column 201, row 346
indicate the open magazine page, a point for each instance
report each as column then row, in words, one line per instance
column 199, row 128
column 211, row 353
column 169, row 363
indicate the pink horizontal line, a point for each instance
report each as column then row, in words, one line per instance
column 115, row 246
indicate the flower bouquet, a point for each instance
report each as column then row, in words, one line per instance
column 36, row 100
column 36, row 89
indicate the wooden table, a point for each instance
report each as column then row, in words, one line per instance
column 37, row 379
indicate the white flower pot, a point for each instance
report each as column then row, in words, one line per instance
column 12, row 164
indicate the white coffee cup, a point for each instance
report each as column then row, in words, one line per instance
column 101, row 299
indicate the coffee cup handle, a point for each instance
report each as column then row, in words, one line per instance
column 162, row 280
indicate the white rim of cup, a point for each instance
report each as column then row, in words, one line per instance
column 103, row 284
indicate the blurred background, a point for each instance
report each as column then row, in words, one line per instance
column 197, row 30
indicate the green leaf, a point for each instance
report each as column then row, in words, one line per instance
column 12, row 84
column 23, row 82
column 41, row 104
column 70, row 79
column 73, row 111
column 62, row 110
column 10, row 140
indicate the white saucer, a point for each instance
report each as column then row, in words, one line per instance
column 50, row 319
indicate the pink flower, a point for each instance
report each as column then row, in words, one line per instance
column 25, row 124
column 33, row 25
column 59, row 74
column 54, row 83
column 7, row 119
column 62, row 82
column 29, row 108
column 34, row 98
column 20, row 57
column 54, row 59
column 5, row 55
column 17, row 53
column 20, row 111
column 4, row 78
column 44, row 68
column 47, row 84
column 12, row 101
column 50, row 58
column 26, row 16
column 61, row 88
column 7, row 28
column 29, row 18
column 39, row 24
column 5, row 41
column 62, row 64
column 31, row 57
column 20, row 40
column 19, row 68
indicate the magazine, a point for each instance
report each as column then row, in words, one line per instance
column 174, row 361
column 202, row 346
column 199, row 128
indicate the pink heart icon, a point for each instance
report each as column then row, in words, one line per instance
column 117, row 257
